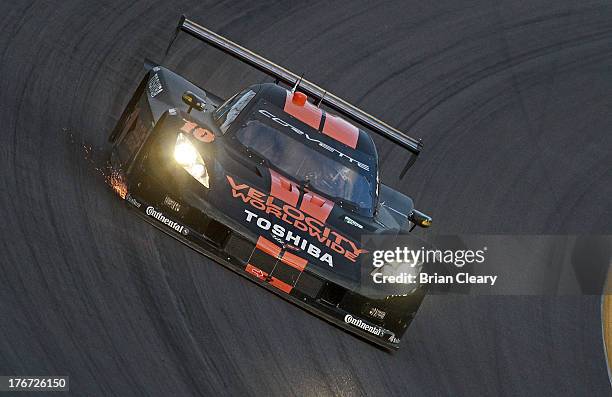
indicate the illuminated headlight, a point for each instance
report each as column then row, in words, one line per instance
column 188, row 157
column 407, row 268
column 408, row 272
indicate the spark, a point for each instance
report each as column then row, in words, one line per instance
column 116, row 180
column 113, row 176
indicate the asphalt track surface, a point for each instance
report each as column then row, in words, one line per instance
column 513, row 102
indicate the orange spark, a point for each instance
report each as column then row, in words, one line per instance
column 116, row 180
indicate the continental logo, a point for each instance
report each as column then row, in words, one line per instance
column 363, row 325
column 153, row 213
column 297, row 218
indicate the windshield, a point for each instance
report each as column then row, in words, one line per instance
column 314, row 169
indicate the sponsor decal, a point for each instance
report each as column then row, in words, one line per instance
column 288, row 236
column 153, row 213
column 377, row 313
column 154, row 86
column 323, row 145
column 353, row 222
column 132, row 200
column 172, row 204
column 363, row 325
column 311, row 227
column 285, row 245
column 393, row 339
column 291, row 247
column 256, row 272
column 279, row 240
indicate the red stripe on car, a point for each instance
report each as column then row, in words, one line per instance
column 283, row 189
column 294, row 261
column 281, row 285
column 316, row 206
column 306, row 113
column 341, row 130
column 268, row 247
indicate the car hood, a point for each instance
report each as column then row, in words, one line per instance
column 275, row 207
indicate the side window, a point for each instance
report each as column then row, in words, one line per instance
column 228, row 112
column 221, row 110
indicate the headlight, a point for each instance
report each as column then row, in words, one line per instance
column 188, row 157
column 395, row 268
column 405, row 270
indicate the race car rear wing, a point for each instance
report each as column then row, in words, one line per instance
column 283, row 75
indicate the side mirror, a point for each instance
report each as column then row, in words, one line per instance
column 421, row 219
column 193, row 101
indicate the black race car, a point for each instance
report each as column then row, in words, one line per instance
column 275, row 187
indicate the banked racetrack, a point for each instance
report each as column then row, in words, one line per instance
column 511, row 98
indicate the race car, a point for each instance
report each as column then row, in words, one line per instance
column 279, row 183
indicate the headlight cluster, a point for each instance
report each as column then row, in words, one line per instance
column 188, row 157
column 408, row 273
column 395, row 268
